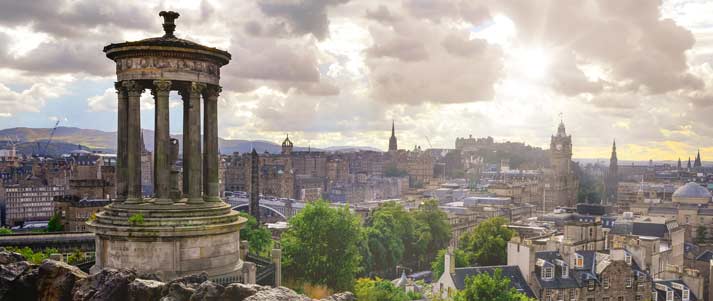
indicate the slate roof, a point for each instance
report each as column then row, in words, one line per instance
column 517, row 281
column 705, row 256
column 661, row 294
column 649, row 229
column 549, row 257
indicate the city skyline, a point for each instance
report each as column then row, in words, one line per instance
column 338, row 77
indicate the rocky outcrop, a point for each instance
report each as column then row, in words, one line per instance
column 109, row 284
column 145, row 290
column 54, row 280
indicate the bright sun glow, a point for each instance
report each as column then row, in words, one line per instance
column 533, row 63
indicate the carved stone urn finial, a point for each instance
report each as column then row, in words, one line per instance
column 168, row 25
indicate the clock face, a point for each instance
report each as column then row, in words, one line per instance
column 559, row 146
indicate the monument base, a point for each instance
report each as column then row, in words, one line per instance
column 171, row 240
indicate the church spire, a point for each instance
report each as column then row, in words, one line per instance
column 392, row 141
column 698, row 163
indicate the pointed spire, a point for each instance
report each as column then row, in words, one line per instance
column 393, row 128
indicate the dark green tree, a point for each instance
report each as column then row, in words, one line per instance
column 437, row 266
column 484, row 287
column 377, row 289
column 322, row 246
column 487, row 243
column 390, row 232
column 5, row 231
column 701, row 234
column 55, row 224
column 258, row 236
column 433, row 232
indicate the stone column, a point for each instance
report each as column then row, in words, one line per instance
column 211, row 188
column 277, row 260
column 121, row 149
column 133, row 129
column 185, row 95
column 192, row 158
column 162, row 167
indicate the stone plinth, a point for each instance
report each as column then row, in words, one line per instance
column 172, row 241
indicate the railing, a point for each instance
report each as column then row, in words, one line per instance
column 265, row 274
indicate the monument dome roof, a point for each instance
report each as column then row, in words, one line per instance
column 167, row 42
column 691, row 190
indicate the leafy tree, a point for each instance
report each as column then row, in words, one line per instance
column 32, row 256
column 484, row 287
column 437, row 266
column 55, row 224
column 390, row 232
column 433, row 231
column 5, row 231
column 377, row 289
column 392, row 171
column 487, row 243
column 321, row 246
column 76, row 257
column 257, row 235
column 701, row 234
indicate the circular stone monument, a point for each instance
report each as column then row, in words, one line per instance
column 179, row 230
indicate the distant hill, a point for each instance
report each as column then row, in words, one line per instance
column 66, row 139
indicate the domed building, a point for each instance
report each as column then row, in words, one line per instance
column 691, row 193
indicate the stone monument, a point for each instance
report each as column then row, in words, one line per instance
column 176, row 232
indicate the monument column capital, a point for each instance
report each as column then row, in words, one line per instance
column 161, row 86
column 134, row 88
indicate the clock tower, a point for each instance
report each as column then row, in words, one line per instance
column 561, row 182
column 561, row 151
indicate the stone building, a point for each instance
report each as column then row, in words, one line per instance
column 561, row 183
column 74, row 211
column 25, row 203
column 590, row 276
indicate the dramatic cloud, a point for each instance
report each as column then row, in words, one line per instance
column 336, row 72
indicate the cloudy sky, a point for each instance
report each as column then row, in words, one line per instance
column 336, row 72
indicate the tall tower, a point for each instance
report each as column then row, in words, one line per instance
column 612, row 181
column 561, row 151
column 287, row 146
column 562, row 183
column 698, row 163
column 254, row 206
column 392, row 141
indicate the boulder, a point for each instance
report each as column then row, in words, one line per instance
column 18, row 281
column 56, row 280
column 346, row 296
column 277, row 294
column 239, row 291
column 108, row 284
column 145, row 290
column 10, row 257
column 208, row 291
column 177, row 291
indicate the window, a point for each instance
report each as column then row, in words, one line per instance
column 620, row 298
column 572, row 294
column 685, row 295
column 627, row 258
column 669, row 295
column 547, row 273
column 565, row 271
column 579, row 262
column 629, row 282
column 605, row 282
column 638, row 298
column 590, row 285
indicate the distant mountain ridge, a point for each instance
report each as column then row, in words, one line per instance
column 65, row 139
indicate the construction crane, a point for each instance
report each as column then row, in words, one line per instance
column 44, row 150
